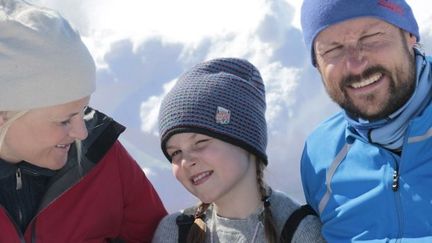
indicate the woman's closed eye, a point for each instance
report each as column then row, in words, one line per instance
column 65, row 122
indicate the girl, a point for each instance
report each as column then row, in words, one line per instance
column 213, row 131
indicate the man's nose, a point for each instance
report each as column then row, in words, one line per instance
column 356, row 60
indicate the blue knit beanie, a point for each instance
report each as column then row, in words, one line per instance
column 223, row 98
column 316, row 15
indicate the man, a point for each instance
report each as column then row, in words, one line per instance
column 367, row 171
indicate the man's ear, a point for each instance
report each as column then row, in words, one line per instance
column 412, row 39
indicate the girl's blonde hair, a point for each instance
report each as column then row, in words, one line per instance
column 197, row 232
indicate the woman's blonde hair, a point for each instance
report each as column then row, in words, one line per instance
column 9, row 117
column 197, row 231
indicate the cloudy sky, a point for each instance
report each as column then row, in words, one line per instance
column 141, row 47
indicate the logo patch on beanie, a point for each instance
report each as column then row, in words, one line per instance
column 223, row 115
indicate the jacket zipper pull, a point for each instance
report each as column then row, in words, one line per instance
column 395, row 184
column 18, row 179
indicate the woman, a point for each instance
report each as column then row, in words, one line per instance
column 64, row 176
column 213, row 131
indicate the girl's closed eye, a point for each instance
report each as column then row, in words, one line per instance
column 174, row 153
column 175, row 156
column 201, row 143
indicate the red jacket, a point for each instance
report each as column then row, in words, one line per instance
column 112, row 200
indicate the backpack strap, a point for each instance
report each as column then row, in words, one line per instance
column 184, row 222
column 293, row 222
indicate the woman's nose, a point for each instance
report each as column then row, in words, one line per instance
column 78, row 129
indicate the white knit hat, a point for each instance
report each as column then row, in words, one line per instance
column 43, row 61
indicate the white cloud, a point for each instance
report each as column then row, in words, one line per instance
column 281, row 83
column 149, row 110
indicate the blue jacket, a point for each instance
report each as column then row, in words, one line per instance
column 364, row 192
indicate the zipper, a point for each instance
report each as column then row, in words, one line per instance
column 19, row 185
column 395, row 189
column 399, row 216
column 18, row 177
column 32, row 224
column 395, row 183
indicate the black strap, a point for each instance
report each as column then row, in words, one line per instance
column 184, row 223
column 294, row 221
